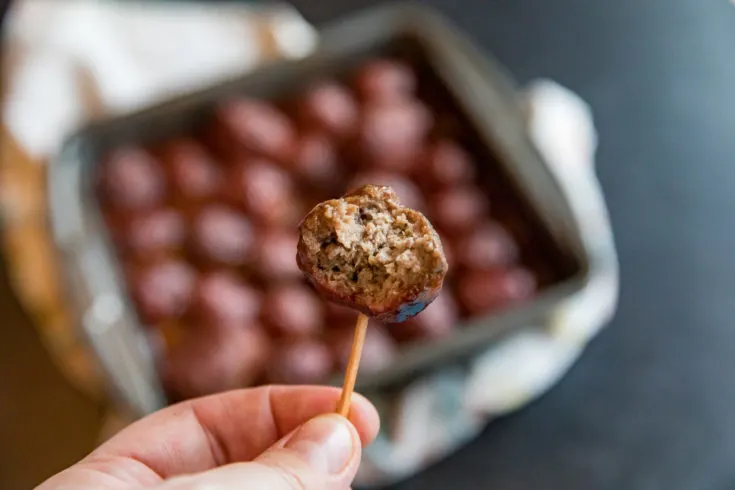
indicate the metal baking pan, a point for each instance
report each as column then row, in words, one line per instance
column 482, row 94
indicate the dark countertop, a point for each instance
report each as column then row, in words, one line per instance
column 649, row 406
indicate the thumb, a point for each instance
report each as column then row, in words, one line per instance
column 322, row 454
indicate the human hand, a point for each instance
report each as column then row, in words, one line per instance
column 272, row 437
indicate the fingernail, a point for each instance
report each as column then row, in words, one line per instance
column 325, row 443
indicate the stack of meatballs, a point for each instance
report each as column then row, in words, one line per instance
column 205, row 226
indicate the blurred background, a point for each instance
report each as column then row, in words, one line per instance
column 647, row 406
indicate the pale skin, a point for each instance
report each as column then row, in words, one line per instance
column 271, row 437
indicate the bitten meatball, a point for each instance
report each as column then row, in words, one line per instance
column 368, row 252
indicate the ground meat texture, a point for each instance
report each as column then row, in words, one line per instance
column 484, row 291
column 368, row 252
column 132, row 179
column 385, row 80
column 301, row 362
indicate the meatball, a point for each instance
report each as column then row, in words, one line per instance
column 257, row 127
column 487, row 247
column 385, row 79
column 222, row 300
column 301, row 362
column 132, row 179
column 445, row 164
column 161, row 230
column 293, row 310
column 459, row 209
column 392, row 134
column 194, row 174
column 263, row 190
column 275, row 255
column 484, row 291
column 330, row 107
column 368, row 252
column 315, row 161
column 222, row 235
column 161, row 290
column 203, row 364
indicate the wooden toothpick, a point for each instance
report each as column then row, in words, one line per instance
column 343, row 407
